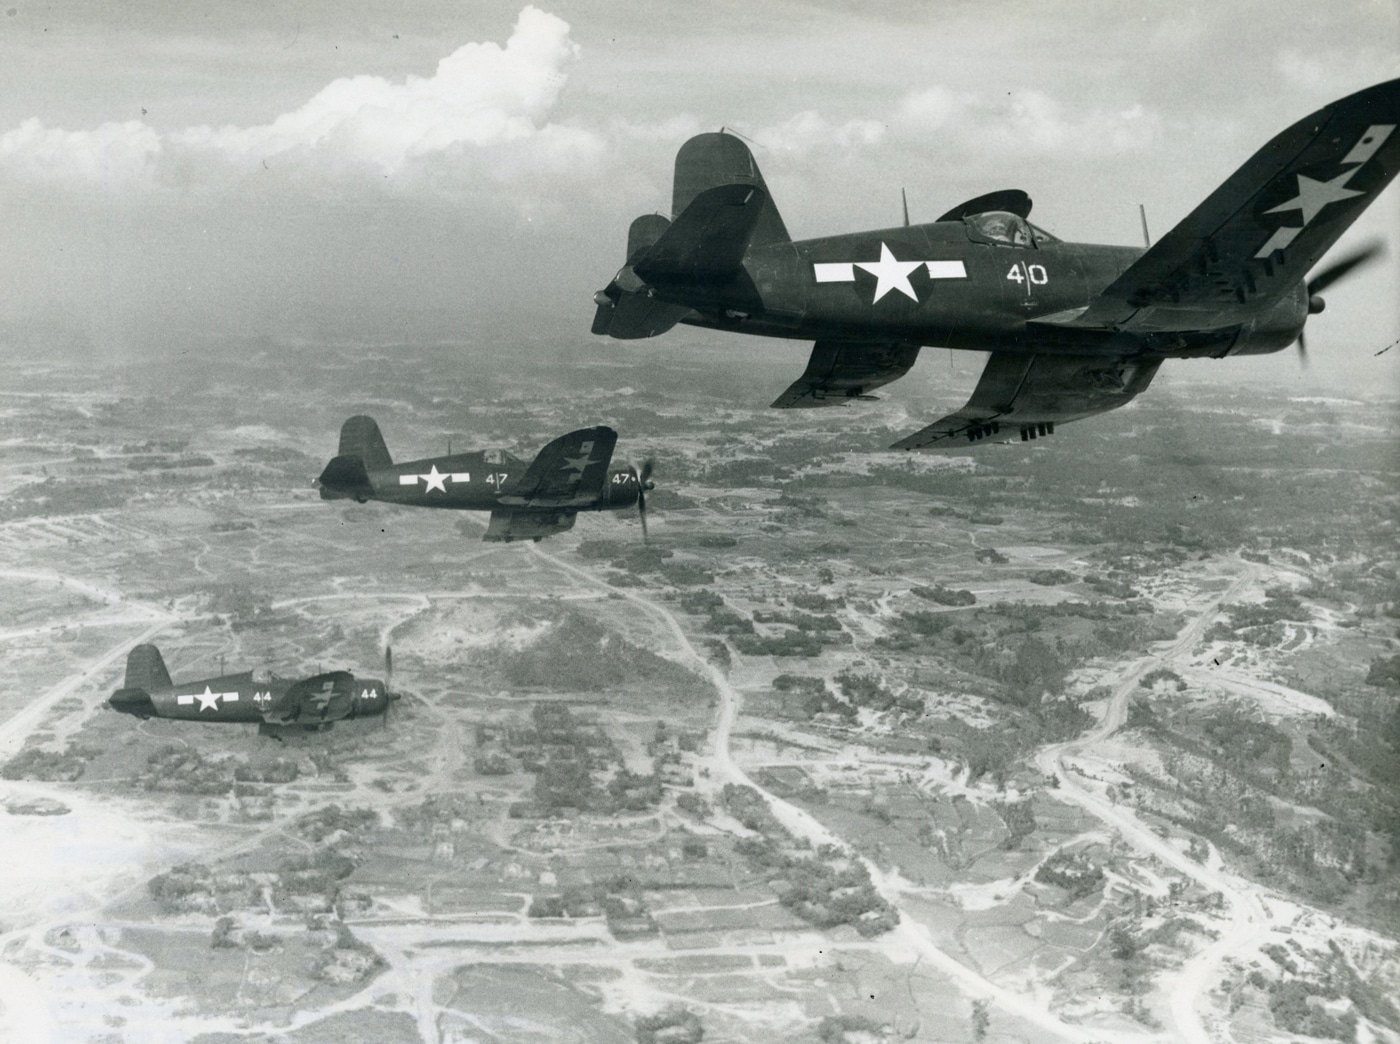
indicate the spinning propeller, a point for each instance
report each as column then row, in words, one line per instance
column 389, row 695
column 1338, row 269
column 644, row 483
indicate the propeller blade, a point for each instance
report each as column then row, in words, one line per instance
column 388, row 684
column 1302, row 349
column 644, row 483
column 1341, row 268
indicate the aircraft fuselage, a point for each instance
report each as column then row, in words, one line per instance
column 477, row 481
column 331, row 696
column 933, row 285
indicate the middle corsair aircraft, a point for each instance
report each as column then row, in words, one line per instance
column 570, row 475
column 1073, row 329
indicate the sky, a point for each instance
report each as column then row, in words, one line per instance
column 188, row 177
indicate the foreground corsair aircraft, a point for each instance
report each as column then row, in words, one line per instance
column 273, row 703
column 570, row 475
column 1073, row 329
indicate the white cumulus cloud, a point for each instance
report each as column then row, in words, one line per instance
column 809, row 130
column 484, row 103
column 1028, row 121
column 115, row 154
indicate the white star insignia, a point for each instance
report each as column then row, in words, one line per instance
column 208, row 700
column 435, row 480
column 891, row 274
column 578, row 463
column 1313, row 195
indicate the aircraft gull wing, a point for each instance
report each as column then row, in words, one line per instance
column 508, row 524
column 1022, row 396
column 1255, row 237
column 570, row 472
column 710, row 160
column 839, row 371
column 313, row 701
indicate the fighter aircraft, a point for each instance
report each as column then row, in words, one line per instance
column 273, row 703
column 569, row 475
column 1073, row 329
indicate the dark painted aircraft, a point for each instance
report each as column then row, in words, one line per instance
column 251, row 697
column 533, row 501
column 1073, row 329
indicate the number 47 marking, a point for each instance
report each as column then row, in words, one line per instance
column 1027, row 275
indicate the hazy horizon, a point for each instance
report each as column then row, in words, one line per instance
column 172, row 180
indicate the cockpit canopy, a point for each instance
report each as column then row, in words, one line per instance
column 1002, row 228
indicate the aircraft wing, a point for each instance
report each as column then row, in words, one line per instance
column 570, row 472
column 509, row 524
column 839, row 371
column 1022, row 396
column 1255, row 237
column 313, row 701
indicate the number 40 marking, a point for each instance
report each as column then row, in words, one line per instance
column 1028, row 274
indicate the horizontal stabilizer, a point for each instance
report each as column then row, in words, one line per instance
column 344, row 477
column 839, row 371
column 635, row 315
column 706, row 243
column 1025, row 396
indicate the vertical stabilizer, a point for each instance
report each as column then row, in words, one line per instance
column 145, row 670
column 710, row 160
column 643, row 232
column 359, row 437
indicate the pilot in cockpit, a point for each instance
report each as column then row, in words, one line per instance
column 1002, row 227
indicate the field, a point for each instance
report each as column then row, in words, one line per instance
column 1095, row 739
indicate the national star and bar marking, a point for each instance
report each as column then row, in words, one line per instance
column 890, row 273
column 435, row 480
column 581, row 462
column 208, row 699
column 1314, row 195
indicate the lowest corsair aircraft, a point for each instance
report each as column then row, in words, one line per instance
column 1073, row 329
column 533, row 501
column 272, row 703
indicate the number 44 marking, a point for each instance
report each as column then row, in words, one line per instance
column 1028, row 275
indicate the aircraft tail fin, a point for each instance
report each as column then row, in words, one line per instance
column 145, row 670
column 643, row 232
column 359, row 437
column 721, row 209
column 707, row 161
